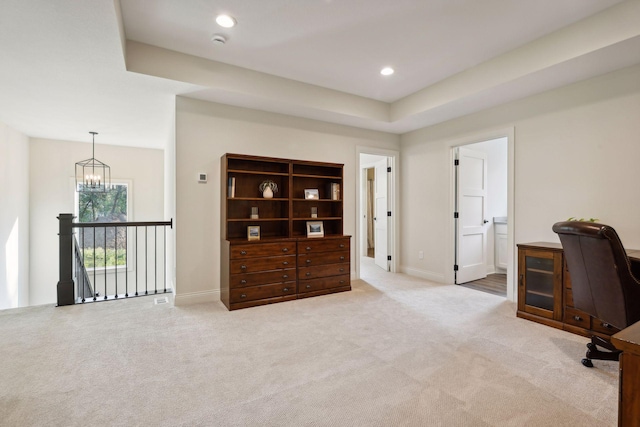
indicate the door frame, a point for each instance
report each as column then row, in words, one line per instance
column 392, row 197
column 509, row 134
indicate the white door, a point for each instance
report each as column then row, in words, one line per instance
column 380, row 216
column 471, row 245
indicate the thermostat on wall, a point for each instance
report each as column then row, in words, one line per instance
column 202, row 177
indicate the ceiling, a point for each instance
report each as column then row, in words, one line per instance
column 71, row 67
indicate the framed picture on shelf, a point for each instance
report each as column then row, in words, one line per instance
column 311, row 193
column 315, row 229
column 253, row 232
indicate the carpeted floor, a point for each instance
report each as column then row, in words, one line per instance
column 395, row 351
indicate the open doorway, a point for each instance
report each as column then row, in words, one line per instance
column 376, row 238
column 481, row 216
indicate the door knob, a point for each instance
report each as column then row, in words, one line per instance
column 485, row 221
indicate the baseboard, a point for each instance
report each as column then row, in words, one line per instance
column 196, row 297
column 428, row 275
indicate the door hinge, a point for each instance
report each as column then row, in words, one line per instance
column 388, row 168
column 456, row 215
column 389, row 213
column 455, row 267
column 388, row 257
column 456, row 162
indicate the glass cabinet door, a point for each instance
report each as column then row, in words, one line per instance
column 539, row 280
column 540, row 283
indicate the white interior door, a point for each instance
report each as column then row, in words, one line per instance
column 471, row 245
column 380, row 218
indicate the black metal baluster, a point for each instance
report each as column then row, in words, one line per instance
column 155, row 260
column 105, row 263
column 126, row 263
column 136, row 261
column 115, row 230
column 146, row 259
column 164, row 262
column 84, row 285
column 95, row 267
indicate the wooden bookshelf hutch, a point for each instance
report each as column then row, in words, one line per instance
column 284, row 264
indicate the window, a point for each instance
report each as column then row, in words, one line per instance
column 103, row 246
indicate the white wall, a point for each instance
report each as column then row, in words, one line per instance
column 204, row 132
column 14, row 218
column 576, row 154
column 51, row 191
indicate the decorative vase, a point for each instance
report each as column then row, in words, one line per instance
column 267, row 193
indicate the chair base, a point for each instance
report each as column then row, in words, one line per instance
column 594, row 353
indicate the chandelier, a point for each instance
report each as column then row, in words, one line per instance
column 93, row 176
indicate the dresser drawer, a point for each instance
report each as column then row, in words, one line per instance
column 261, row 292
column 262, row 250
column 323, row 271
column 577, row 318
column 262, row 278
column 323, row 245
column 322, row 258
column 603, row 327
column 323, row 283
column 254, row 265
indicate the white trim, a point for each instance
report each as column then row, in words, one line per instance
column 394, row 158
column 196, row 297
column 508, row 133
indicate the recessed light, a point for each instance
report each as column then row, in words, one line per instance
column 225, row 21
column 386, row 71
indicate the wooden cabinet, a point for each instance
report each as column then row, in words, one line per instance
column 628, row 341
column 540, row 282
column 545, row 292
column 267, row 270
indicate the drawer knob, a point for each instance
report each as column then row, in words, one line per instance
column 285, row 262
column 243, row 296
column 243, row 282
column 308, row 274
column 341, row 270
column 285, row 249
column 341, row 245
column 606, row 325
column 285, row 276
column 308, row 286
column 285, row 290
column 308, row 261
column 577, row 318
column 341, row 258
column 243, row 267
column 342, row 282
column 243, row 252
column 308, row 248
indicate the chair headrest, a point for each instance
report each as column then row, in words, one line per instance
column 582, row 228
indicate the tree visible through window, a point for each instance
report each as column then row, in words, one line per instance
column 102, row 246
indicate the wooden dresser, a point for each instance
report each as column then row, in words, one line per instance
column 282, row 263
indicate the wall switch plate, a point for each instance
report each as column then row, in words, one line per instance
column 202, row 177
column 420, row 255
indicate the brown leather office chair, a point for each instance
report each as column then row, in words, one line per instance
column 602, row 280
